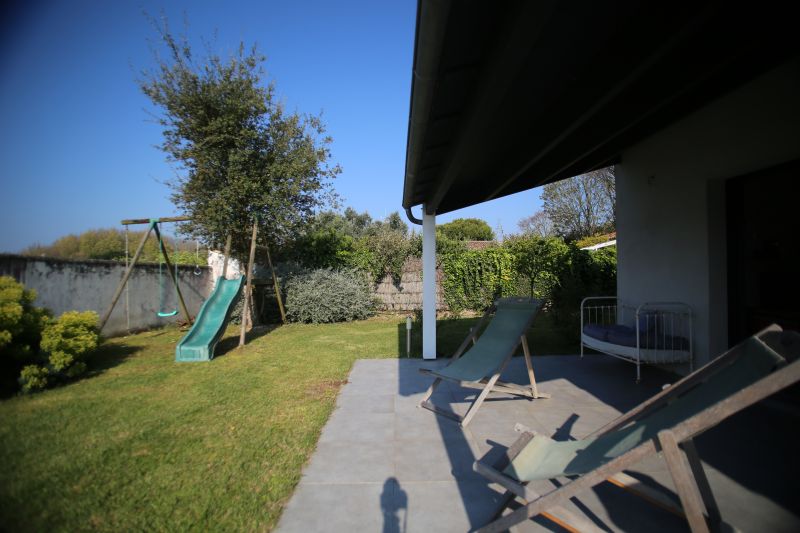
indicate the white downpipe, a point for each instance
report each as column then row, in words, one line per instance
column 428, row 285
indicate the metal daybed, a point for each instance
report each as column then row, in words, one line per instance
column 657, row 333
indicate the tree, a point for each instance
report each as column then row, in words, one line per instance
column 320, row 247
column 240, row 155
column 352, row 239
column 467, row 229
column 102, row 244
column 537, row 225
column 350, row 223
column 582, row 206
column 394, row 222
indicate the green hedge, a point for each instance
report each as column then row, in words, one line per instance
column 475, row 278
column 536, row 261
column 583, row 273
column 549, row 269
column 546, row 268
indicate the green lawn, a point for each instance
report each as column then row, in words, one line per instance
column 144, row 443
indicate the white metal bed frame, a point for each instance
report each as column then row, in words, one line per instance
column 671, row 322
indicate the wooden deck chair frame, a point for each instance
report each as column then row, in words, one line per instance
column 697, row 502
column 489, row 383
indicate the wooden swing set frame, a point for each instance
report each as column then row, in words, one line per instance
column 173, row 274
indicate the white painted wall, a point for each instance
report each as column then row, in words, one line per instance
column 671, row 230
column 64, row 285
column 216, row 260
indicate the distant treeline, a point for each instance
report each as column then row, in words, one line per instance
column 109, row 244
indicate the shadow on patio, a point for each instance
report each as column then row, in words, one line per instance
column 383, row 464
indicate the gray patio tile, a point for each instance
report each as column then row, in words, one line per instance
column 470, row 394
column 426, row 363
column 557, row 388
column 350, row 426
column 426, row 461
column 365, row 387
column 449, row 506
column 411, row 402
column 566, row 423
column 416, row 386
column 497, row 426
column 586, row 425
column 380, row 403
column 333, row 508
column 444, row 400
column 418, row 425
column 381, row 369
column 350, row 462
column 510, row 405
column 380, row 365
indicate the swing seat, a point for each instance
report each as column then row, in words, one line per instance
column 170, row 313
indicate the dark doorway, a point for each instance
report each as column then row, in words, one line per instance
column 763, row 210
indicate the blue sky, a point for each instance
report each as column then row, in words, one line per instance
column 78, row 147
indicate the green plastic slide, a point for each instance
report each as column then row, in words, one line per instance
column 199, row 343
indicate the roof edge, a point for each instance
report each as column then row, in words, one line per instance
column 432, row 16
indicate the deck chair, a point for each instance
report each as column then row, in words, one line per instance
column 668, row 422
column 481, row 365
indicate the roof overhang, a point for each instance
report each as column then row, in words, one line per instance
column 507, row 96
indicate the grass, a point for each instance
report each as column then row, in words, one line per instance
column 143, row 443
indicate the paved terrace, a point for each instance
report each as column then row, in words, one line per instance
column 383, row 464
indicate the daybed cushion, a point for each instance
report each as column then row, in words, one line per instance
column 601, row 331
column 626, row 336
column 651, row 340
column 596, row 331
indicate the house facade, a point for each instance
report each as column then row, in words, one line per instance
column 685, row 230
column 697, row 106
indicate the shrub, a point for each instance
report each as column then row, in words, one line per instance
column 475, row 278
column 33, row 378
column 69, row 340
column 363, row 259
column 20, row 322
column 326, row 295
column 582, row 273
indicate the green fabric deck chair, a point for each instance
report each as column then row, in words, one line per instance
column 481, row 365
column 667, row 423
